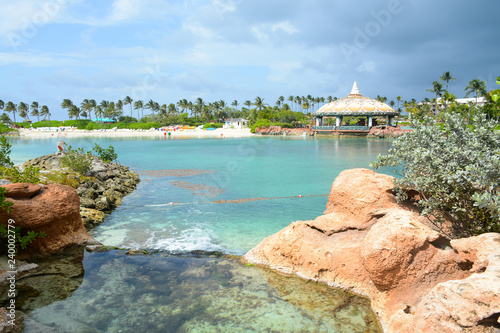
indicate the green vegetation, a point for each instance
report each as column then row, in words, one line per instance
column 105, row 154
column 455, row 167
column 20, row 239
column 213, row 125
column 7, row 205
column 77, row 160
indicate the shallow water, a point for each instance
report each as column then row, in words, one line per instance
column 210, row 195
column 122, row 293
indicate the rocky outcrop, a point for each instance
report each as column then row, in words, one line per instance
column 383, row 131
column 51, row 209
column 418, row 280
column 278, row 130
column 110, row 182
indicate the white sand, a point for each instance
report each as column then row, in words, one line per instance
column 219, row 133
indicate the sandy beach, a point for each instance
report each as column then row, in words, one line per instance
column 219, row 133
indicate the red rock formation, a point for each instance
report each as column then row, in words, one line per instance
column 53, row 209
column 383, row 131
column 418, row 280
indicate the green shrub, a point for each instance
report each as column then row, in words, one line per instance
column 456, row 169
column 5, row 147
column 5, row 129
column 28, row 175
column 22, row 240
column 107, row 155
column 77, row 160
column 5, row 204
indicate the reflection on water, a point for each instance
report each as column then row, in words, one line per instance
column 159, row 293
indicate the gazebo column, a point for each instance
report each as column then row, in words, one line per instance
column 338, row 121
column 370, row 121
column 391, row 120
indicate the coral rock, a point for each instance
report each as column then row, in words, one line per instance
column 418, row 280
column 21, row 190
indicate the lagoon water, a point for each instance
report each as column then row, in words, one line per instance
column 221, row 195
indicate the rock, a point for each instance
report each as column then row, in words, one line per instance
column 7, row 319
column 103, row 203
column 22, row 190
column 91, row 217
column 114, row 179
column 55, row 210
column 418, row 280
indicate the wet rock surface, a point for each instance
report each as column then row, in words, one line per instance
column 418, row 280
column 109, row 183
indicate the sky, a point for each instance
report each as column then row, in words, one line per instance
column 167, row 50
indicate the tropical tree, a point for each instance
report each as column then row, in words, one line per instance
column 399, row 100
column 182, row 105
column 476, row 86
column 259, row 103
column 172, row 111
column 150, row 105
column 139, row 105
column 437, row 88
column 86, row 108
column 35, row 112
column 44, row 111
column 66, row 104
column 93, row 105
column 1, row 104
column 74, row 111
column 446, row 77
column 23, row 110
column 119, row 106
column 290, row 99
column 4, row 118
column 248, row 103
column 235, row 104
column 128, row 101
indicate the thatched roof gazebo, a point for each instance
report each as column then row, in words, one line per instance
column 354, row 105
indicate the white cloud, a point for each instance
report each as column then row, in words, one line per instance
column 285, row 26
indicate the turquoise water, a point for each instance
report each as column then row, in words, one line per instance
column 202, row 194
column 213, row 195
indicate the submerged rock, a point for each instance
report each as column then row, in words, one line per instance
column 418, row 280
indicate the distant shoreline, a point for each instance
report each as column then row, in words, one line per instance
column 219, row 133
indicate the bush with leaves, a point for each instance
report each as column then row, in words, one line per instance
column 77, row 160
column 20, row 239
column 455, row 166
column 105, row 154
column 5, row 147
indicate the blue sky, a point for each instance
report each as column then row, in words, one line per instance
column 239, row 49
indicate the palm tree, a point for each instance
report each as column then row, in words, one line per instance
column 235, row 104
column 248, row 103
column 150, row 106
column 128, row 100
column 119, row 106
column 290, row 99
column 399, row 100
column 1, row 104
column 74, row 111
column 259, row 103
column 438, row 90
column 66, row 104
column 172, row 111
column 23, row 110
column 199, row 105
column 93, row 105
column 86, row 107
column 306, row 106
column 476, row 86
column 446, row 77
column 11, row 107
column 34, row 110
column 139, row 105
column 182, row 104
column 44, row 111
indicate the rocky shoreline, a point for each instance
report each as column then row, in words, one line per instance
column 417, row 279
column 98, row 197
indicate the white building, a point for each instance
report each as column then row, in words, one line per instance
column 237, row 123
column 461, row 101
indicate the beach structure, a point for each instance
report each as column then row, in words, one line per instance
column 329, row 119
column 237, row 123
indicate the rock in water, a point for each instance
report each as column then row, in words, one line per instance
column 54, row 210
column 418, row 280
